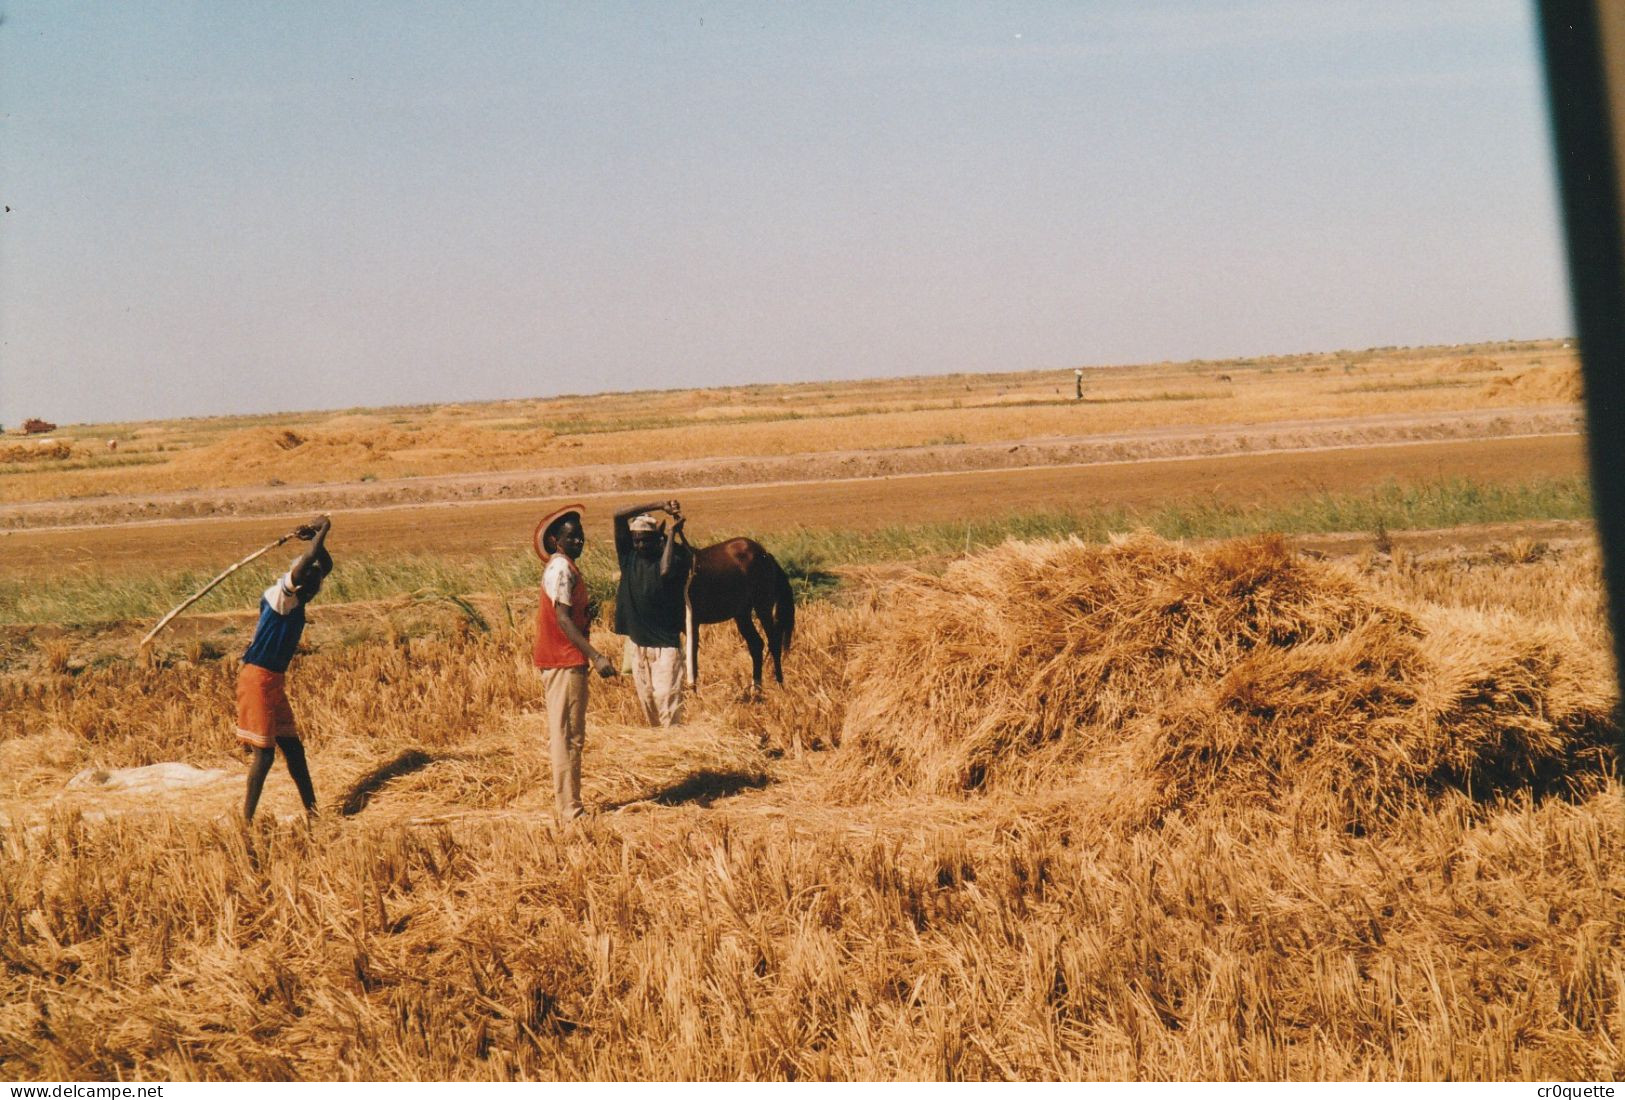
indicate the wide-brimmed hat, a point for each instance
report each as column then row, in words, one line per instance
column 546, row 524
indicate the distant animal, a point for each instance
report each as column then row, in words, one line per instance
column 112, row 444
column 733, row 580
column 1223, row 378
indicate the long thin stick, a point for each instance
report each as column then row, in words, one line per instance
column 691, row 640
column 204, row 591
column 692, row 645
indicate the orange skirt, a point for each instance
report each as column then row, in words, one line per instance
column 263, row 713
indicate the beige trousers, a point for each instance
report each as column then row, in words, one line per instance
column 657, row 674
column 566, row 733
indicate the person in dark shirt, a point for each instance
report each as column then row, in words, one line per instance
column 264, row 719
column 649, row 605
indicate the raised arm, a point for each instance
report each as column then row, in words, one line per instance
column 314, row 532
column 671, row 542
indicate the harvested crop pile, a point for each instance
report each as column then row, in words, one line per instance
column 1537, row 384
column 1472, row 364
column 1149, row 677
column 35, row 451
column 355, row 445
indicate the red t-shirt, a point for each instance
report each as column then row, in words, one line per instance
column 561, row 584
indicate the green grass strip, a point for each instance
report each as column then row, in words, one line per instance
column 809, row 555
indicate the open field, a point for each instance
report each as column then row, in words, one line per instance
column 1040, row 799
column 951, row 415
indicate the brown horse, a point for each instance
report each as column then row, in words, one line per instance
column 733, row 579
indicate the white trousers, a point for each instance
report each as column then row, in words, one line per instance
column 566, row 690
column 657, row 674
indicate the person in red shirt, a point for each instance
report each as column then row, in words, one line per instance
column 563, row 653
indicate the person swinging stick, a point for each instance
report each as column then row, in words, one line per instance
column 265, row 721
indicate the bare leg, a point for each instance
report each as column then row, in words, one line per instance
column 258, row 768
column 293, row 755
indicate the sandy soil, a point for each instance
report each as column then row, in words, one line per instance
column 479, row 525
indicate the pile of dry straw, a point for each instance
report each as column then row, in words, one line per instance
column 1146, row 678
column 359, row 443
column 1537, row 385
column 32, row 450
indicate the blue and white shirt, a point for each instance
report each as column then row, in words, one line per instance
column 282, row 621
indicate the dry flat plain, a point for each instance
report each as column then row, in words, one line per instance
column 1046, row 794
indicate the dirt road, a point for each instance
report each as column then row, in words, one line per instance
column 478, row 526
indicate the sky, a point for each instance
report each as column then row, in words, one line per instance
column 225, row 207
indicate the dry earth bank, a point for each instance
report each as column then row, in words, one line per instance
column 861, row 504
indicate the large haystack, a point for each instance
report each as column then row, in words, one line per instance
column 1161, row 678
column 1537, row 385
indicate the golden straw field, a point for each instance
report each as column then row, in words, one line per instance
column 1033, row 807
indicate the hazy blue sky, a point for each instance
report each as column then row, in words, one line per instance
column 231, row 207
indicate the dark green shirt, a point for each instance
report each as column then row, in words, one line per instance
column 649, row 609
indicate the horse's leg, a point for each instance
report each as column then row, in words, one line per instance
column 753, row 642
column 775, row 634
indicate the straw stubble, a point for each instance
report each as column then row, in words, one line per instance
column 1234, row 815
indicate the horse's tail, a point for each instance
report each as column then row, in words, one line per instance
column 784, row 604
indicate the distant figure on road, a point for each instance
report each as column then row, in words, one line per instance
column 649, row 605
column 562, row 653
column 264, row 719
